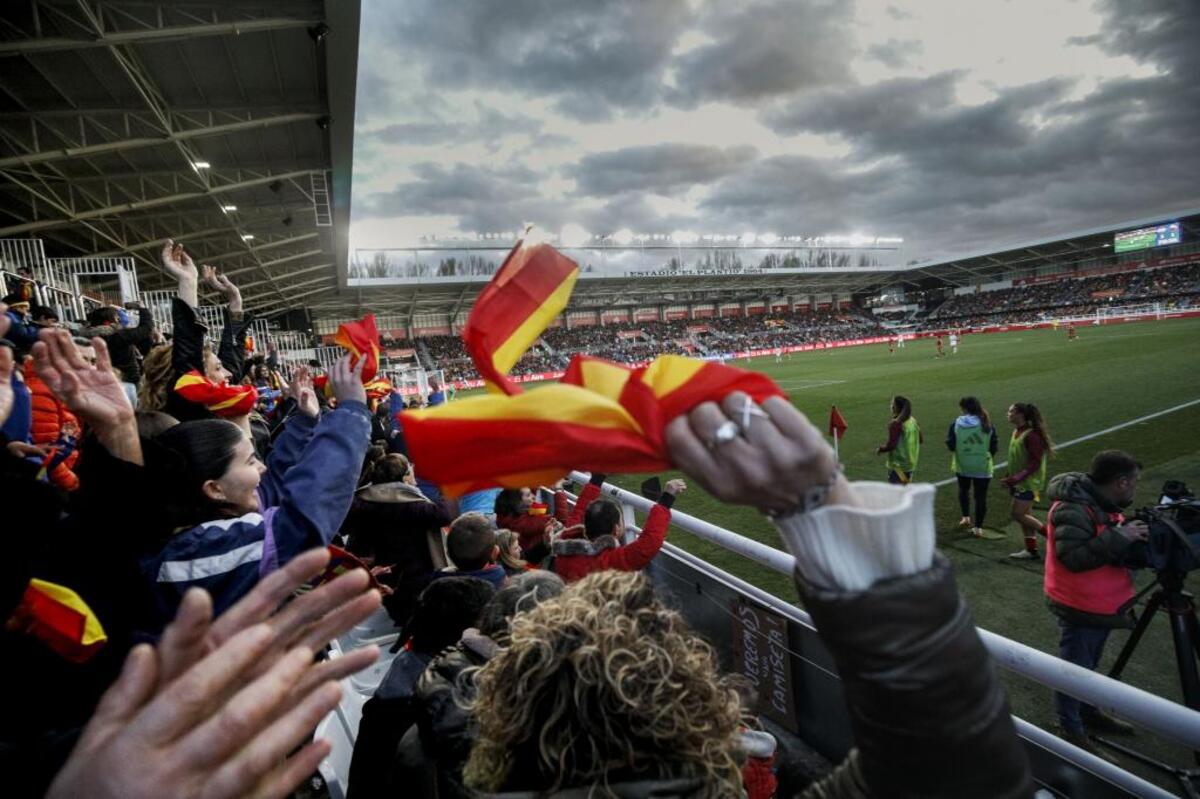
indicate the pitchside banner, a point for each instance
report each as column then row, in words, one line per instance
column 760, row 653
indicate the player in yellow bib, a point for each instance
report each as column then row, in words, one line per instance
column 1028, row 451
column 973, row 442
column 904, row 441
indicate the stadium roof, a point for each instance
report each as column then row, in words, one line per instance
column 224, row 124
column 1064, row 252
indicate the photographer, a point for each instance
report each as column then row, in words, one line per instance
column 1086, row 586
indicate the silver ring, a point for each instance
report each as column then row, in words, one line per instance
column 727, row 432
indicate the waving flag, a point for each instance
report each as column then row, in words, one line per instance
column 361, row 339
column 529, row 290
column 221, row 400
column 602, row 416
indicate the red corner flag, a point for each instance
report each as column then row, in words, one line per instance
column 837, row 425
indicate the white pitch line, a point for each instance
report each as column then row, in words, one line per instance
column 1098, row 433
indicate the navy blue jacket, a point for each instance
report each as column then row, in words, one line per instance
column 304, row 496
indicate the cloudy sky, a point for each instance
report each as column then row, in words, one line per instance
column 957, row 125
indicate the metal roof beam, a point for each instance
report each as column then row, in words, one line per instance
column 154, row 202
column 168, row 33
column 153, row 141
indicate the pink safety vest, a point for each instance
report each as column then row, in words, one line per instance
column 1101, row 591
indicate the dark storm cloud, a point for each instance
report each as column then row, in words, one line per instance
column 480, row 198
column 764, row 50
column 896, row 53
column 589, row 57
column 1025, row 164
column 659, row 168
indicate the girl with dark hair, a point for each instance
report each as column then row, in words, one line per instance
column 235, row 519
column 972, row 440
column 904, row 442
column 1028, row 450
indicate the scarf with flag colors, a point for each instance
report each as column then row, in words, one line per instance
column 602, row 416
column 223, row 400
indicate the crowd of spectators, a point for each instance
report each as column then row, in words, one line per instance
column 640, row 342
column 1174, row 286
column 184, row 656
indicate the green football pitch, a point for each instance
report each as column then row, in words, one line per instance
column 1111, row 376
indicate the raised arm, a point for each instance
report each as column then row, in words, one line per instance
column 920, row 687
column 317, row 491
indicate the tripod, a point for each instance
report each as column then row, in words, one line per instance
column 1185, row 634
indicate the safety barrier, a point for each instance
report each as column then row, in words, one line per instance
column 1049, row 753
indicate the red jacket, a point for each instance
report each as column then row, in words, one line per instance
column 531, row 530
column 49, row 418
column 577, row 557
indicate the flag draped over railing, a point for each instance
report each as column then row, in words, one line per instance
column 601, row 416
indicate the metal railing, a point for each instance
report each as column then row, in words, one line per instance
column 1153, row 713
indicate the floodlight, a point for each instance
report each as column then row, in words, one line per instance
column 247, row 236
column 229, row 208
column 769, row 238
column 623, row 237
column 747, row 238
column 200, row 165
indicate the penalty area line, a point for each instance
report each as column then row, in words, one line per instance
column 1099, row 433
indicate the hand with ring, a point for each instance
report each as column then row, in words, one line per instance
column 773, row 460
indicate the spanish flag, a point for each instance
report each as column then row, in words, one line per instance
column 361, row 339
column 602, row 416
column 59, row 618
column 529, row 290
column 225, row 401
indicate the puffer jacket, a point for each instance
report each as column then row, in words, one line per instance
column 1077, row 508
column 446, row 730
column 49, row 418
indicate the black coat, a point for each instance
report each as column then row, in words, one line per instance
column 396, row 525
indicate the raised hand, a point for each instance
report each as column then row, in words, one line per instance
column 5, row 321
column 217, row 281
column 177, row 262
column 217, row 708
column 346, row 380
column 93, row 393
column 179, row 265
column 310, row 620
column 301, row 388
column 773, row 465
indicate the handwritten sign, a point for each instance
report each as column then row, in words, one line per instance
column 760, row 652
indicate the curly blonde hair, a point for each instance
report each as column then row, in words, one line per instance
column 604, row 681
